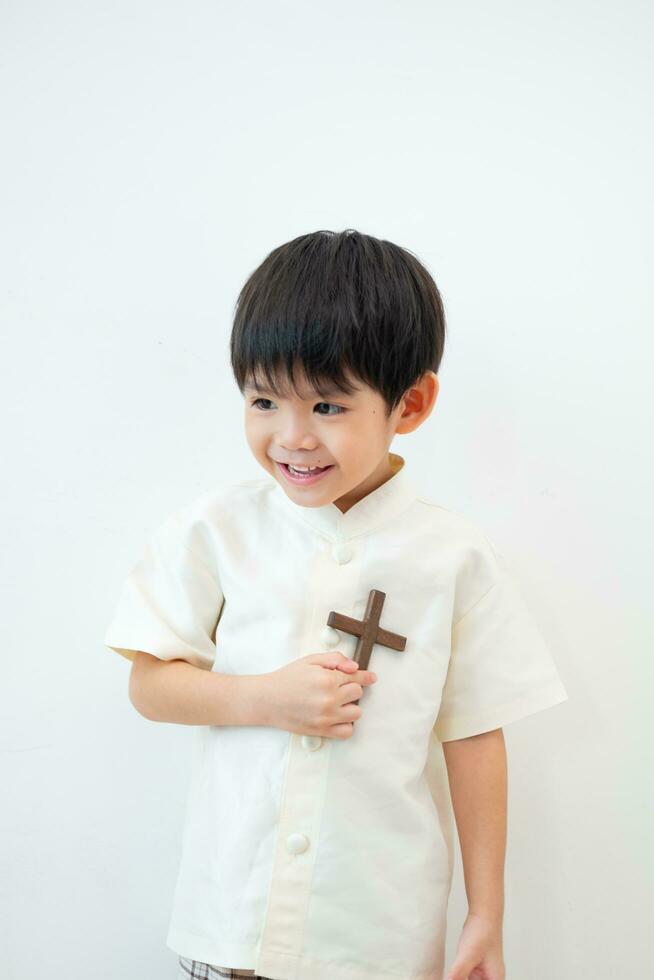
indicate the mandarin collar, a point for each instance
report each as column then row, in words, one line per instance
column 377, row 507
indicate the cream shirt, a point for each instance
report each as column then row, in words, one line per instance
column 307, row 857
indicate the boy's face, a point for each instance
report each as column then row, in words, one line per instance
column 349, row 435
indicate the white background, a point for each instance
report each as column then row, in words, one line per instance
column 152, row 155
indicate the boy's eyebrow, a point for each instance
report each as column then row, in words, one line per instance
column 331, row 390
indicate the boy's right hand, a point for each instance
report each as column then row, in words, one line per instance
column 308, row 699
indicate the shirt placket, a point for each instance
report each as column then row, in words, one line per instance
column 336, row 576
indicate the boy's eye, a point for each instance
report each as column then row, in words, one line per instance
column 339, row 409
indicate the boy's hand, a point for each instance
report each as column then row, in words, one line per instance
column 308, row 699
column 479, row 954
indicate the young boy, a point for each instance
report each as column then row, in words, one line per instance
column 318, row 842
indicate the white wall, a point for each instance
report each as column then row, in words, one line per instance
column 153, row 153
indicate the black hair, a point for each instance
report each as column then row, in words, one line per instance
column 338, row 304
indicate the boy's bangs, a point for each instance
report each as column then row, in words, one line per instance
column 281, row 354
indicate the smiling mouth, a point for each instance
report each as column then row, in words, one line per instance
column 303, row 476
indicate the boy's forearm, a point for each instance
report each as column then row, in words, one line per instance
column 178, row 692
column 477, row 774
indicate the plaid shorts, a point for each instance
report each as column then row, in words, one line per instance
column 194, row 970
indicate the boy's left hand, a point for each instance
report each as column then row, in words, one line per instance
column 479, row 954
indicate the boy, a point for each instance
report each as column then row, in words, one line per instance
column 318, row 842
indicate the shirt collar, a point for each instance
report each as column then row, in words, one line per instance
column 377, row 507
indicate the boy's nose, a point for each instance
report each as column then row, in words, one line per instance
column 296, row 438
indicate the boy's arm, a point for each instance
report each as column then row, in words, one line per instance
column 477, row 774
column 178, row 692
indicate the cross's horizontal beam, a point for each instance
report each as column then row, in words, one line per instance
column 355, row 627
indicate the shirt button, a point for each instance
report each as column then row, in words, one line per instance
column 312, row 742
column 297, row 843
column 329, row 636
column 342, row 553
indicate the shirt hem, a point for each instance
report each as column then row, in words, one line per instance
column 279, row 965
column 239, row 956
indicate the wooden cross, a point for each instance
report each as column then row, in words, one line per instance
column 368, row 630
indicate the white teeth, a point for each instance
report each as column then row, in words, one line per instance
column 303, row 469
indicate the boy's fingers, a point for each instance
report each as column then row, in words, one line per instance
column 461, row 968
column 368, row 675
column 332, row 659
column 336, row 661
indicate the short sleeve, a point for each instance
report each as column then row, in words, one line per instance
column 500, row 668
column 170, row 602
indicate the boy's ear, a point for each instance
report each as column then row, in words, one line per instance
column 418, row 402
